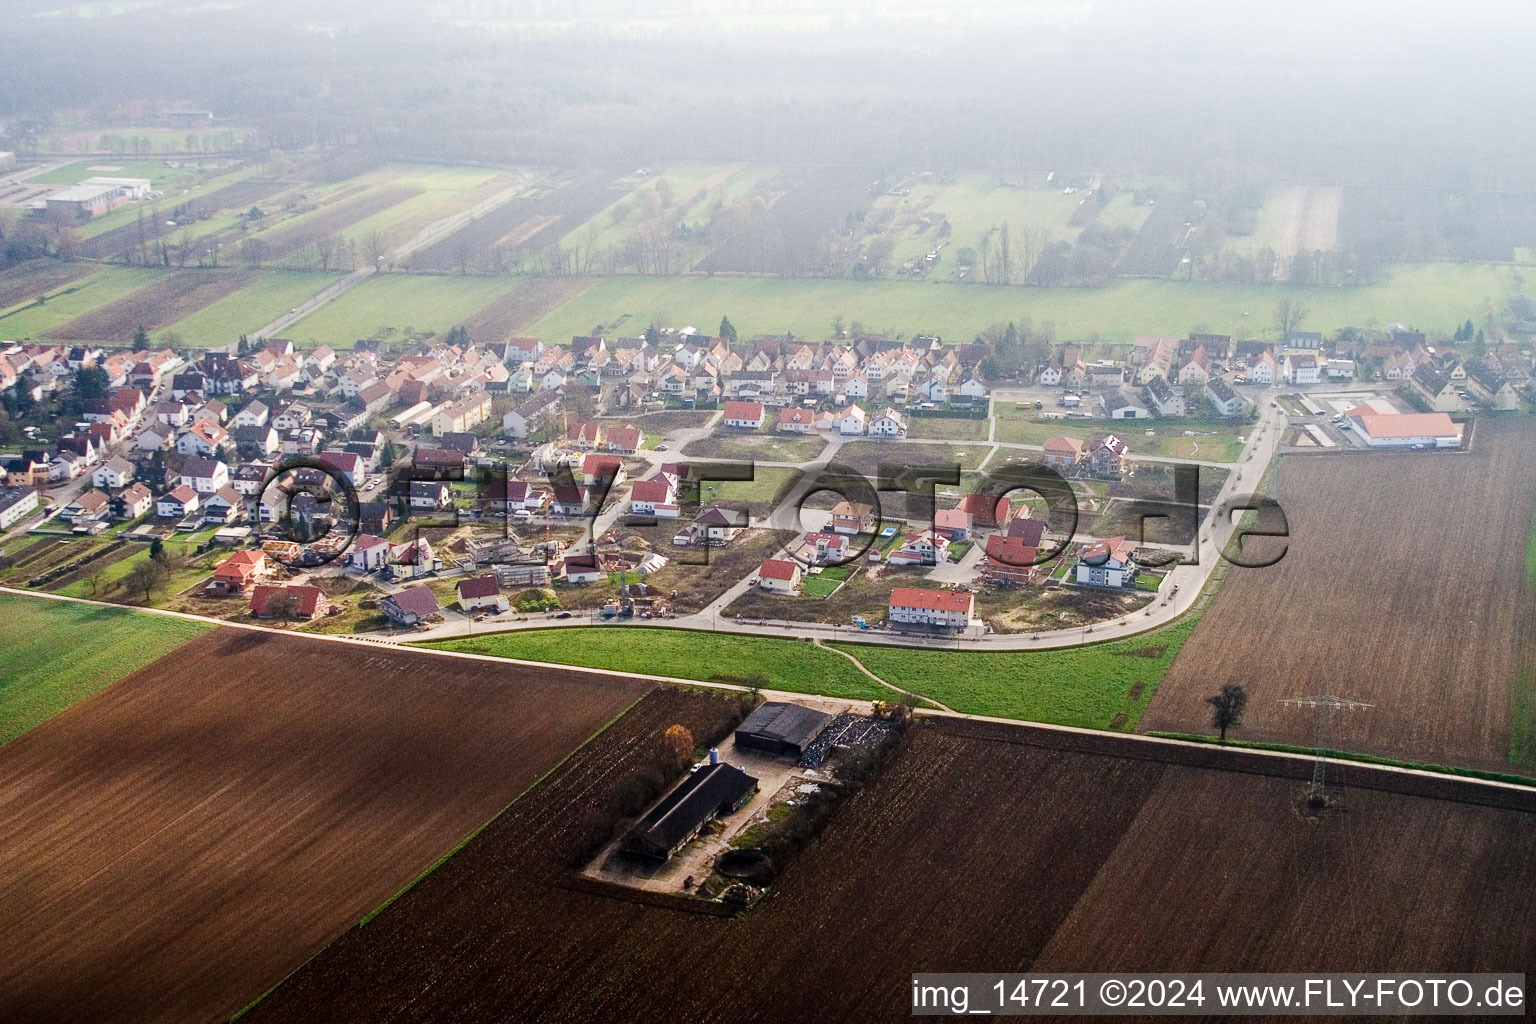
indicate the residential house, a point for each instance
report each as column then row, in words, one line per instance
column 1063, row 452
column 1165, row 398
column 744, row 415
column 531, row 416
column 569, row 500
column 1010, row 561
column 719, row 525
column 181, row 501
column 430, row 495
column 255, row 414
column 114, row 473
column 257, row 442
column 238, row 572
column 204, row 476
column 248, row 478
column 1107, row 456
column 779, row 575
column 987, row 511
column 368, row 553
column 656, row 496
column 410, row 607
column 133, row 502
column 224, row 506
column 920, row 549
column 1107, row 563
column 16, row 503
column 939, row 609
column 297, row 603
column 625, row 440
column 582, row 568
column 1226, row 401
column 887, row 424
column 827, row 548
column 852, row 517
column 88, row 507
column 952, row 523
column 1490, row 387
column 1434, row 389
column 1301, row 369
column 202, row 438
column 795, row 420
column 482, row 593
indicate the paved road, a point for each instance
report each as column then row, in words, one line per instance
column 1215, row 531
column 782, row 695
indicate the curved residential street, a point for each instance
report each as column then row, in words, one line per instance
column 1190, row 579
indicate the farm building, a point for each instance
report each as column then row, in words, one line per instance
column 411, row 606
column 781, row 728
column 706, row 794
column 944, row 609
column 779, row 575
column 1404, row 430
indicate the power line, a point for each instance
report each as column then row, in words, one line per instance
column 1323, row 705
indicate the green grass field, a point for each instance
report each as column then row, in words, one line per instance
column 58, row 653
column 398, row 301
column 973, row 205
column 250, row 308
column 1086, row 687
column 1432, row 296
column 105, row 286
column 788, row 664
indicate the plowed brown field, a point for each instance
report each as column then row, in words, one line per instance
column 981, row 847
column 173, row 846
column 1404, row 587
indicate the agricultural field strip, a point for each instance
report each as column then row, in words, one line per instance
column 490, row 935
column 245, row 762
column 682, row 681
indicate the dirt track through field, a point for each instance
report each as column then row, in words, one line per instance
column 1308, row 220
column 1403, row 586
column 176, row 844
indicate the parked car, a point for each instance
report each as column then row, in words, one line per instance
column 661, row 447
column 563, row 615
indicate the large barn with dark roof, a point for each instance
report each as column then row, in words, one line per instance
column 780, row 728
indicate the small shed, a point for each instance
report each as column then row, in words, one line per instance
column 781, row 728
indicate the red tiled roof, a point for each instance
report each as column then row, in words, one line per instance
column 743, row 410
column 931, row 600
column 778, row 569
column 266, row 598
